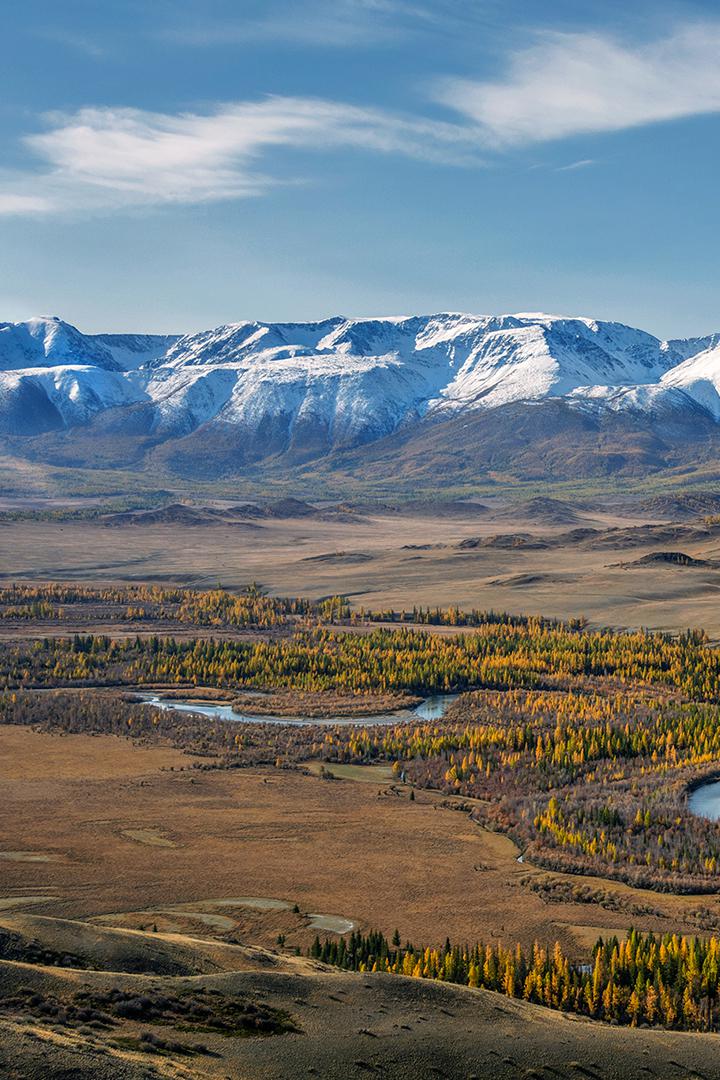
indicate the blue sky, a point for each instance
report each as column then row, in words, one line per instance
column 176, row 165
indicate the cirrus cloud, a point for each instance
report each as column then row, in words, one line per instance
column 103, row 158
column 334, row 24
column 575, row 84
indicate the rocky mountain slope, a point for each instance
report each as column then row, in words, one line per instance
column 506, row 390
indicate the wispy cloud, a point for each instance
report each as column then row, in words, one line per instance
column 109, row 158
column 328, row 23
column 77, row 42
column 584, row 163
column 15, row 203
column 102, row 159
column 573, row 84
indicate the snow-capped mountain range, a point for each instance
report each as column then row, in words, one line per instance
column 309, row 389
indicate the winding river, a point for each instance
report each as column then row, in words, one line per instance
column 430, row 709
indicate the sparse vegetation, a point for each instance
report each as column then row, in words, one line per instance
column 202, row 1010
column 15, row 947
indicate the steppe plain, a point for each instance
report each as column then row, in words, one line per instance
column 150, row 870
column 544, row 556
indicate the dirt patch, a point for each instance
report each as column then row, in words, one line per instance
column 29, row 856
column 339, row 558
column 216, row 922
column 152, row 837
column 7, row 903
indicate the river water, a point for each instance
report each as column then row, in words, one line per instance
column 704, row 801
column 431, row 708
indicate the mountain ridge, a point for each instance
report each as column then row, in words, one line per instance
column 293, row 393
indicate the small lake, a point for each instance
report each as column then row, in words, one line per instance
column 431, row 709
column 704, row 801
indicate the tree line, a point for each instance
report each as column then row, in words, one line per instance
column 494, row 655
column 55, row 602
column 671, row 981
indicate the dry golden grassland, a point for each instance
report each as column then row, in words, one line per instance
column 94, row 826
column 385, row 560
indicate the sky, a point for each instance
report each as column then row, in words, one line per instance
column 177, row 165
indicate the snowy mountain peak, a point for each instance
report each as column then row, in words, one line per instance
column 306, row 388
column 134, row 350
column 47, row 342
column 699, row 378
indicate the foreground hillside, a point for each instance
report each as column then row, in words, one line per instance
column 292, row 1017
column 466, row 394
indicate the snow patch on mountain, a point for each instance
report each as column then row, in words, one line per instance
column 75, row 391
column 186, row 399
column 653, row 401
column 131, row 351
column 699, row 378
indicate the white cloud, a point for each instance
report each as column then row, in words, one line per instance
column 101, row 159
column 572, row 84
column 16, row 203
column 108, row 158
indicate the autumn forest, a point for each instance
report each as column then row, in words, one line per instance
column 580, row 745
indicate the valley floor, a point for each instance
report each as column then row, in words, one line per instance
column 97, row 828
column 498, row 561
column 169, row 875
